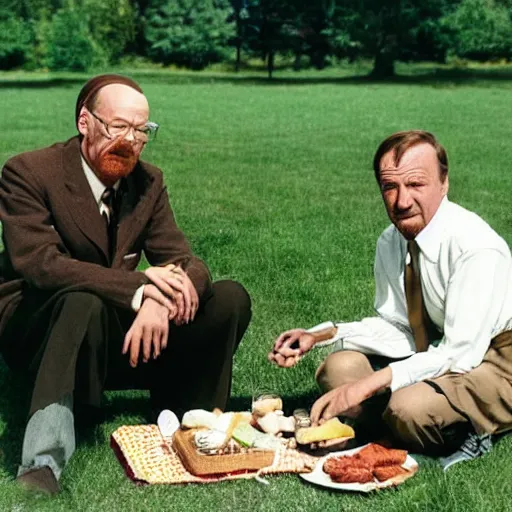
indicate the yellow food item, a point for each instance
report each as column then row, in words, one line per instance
column 331, row 429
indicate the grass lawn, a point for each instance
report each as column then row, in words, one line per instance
column 272, row 183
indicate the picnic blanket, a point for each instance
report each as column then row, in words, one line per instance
column 149, row 458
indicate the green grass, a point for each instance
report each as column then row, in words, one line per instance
column 272, row 183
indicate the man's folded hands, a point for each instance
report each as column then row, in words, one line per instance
column 175, row 290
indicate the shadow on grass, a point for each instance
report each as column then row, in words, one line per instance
column 14, row 402
column 432, row 76
column 126, row 407
column 40, row 83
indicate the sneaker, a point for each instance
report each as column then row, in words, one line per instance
column 474, row 446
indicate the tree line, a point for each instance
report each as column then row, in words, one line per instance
column 78, row 35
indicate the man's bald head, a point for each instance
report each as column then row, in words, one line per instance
column 89, row 92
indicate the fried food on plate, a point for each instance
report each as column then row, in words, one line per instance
column 386, row 472
column 371, row 462
column 378, row 455
column 335, row 465
column 353, row 475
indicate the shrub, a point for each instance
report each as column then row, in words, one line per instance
column 113, row 24
column 482, row 30
column 15, row 42
column 189, row 33
column 70, row 45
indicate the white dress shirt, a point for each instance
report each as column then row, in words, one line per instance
column 466, row 278
column 98, row 188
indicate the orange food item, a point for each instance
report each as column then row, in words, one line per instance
column 336, row 465
column 384, row 473
column 373, row 461
column 377, row 455
column 352, row 475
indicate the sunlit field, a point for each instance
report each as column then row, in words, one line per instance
column 273, row 185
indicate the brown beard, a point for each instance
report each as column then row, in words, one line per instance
column 116, row 161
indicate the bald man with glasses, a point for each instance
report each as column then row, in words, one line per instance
column 76, row 316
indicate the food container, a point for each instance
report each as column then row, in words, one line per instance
column 264, row 403
column 302, row 419
column 201, row 464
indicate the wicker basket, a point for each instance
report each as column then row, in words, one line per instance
column 200, row 464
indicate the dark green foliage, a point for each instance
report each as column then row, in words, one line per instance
column 112, row 24
column 482, row 29
column 387, row 30
column 41, row 33
column 273, row 26
column 15, row 42
column 189, row 33
column 70, row 43
column 64, row 35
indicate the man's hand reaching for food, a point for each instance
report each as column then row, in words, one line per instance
column 346, row 400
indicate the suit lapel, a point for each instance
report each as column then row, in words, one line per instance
column 80, row 201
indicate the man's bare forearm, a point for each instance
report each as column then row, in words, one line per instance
column 324, row 334
column 375, row 383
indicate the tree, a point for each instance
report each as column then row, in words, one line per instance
column 36, row 16
column 239, row 16
column 481, row 29
column 71, row 45
column 271, row 28
column 188, row 33
column 382, row 28
column 64, row 34
column 112, row 22
column 15, row 42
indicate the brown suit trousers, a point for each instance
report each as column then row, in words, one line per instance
column 71, row 342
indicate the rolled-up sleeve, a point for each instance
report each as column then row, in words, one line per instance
column 475, row 296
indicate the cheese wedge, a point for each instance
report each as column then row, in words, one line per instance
column 331, row 429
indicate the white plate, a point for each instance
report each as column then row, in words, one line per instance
column 319, row 477
column 168, row 423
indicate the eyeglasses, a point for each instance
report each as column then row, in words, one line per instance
column 118, row 128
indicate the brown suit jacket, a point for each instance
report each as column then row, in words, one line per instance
column 55, row 238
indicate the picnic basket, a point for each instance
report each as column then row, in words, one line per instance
column 201, row 464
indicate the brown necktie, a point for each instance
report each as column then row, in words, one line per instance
column 418, row 316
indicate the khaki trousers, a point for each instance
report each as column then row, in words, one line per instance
column 418, row 417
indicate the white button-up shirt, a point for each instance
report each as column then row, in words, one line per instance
column 466, row 278
column 96, row 185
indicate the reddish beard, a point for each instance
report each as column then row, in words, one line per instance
column 116, row 161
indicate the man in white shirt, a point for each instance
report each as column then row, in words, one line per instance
column 446, row 343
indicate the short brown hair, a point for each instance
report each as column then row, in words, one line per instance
column 400, row 142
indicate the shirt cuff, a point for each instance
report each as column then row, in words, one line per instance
column 137, row 298
column 400, row 376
